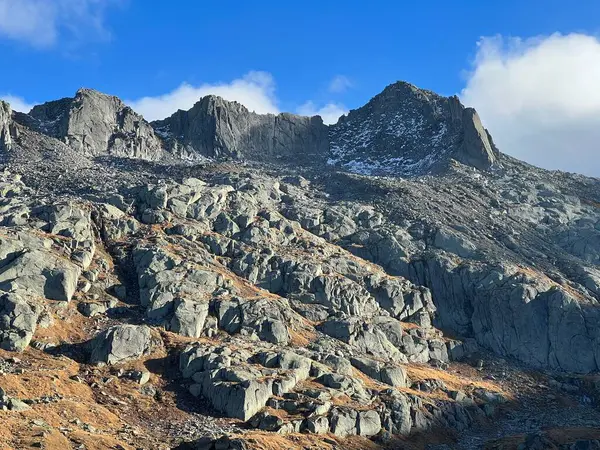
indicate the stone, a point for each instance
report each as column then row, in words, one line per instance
column 43, row 273
column 343, row 422
column 317, row 425
column 454, row 243
column 140, row 377
column 394, row 376
column 238, row 400
column 368, row 423
column 18, row 321
column 92, row 309
column 120, row 343
column 266, row 422
column 189, row 317
column 18, row 405
column 5, row 124
column 338, row 364
column 120, row 292
column 461, row 398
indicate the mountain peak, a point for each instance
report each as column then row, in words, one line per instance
column 95, row 123
column 84, row 91
column 218, row 128
column 409, row 131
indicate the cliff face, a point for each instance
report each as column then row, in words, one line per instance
column 5, row 122
column 217, row 128
column 407, row 131
column 96, row 124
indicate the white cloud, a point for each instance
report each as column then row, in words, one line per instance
column 255, row 90
column 17, row 103
column 540, row 98
column 330, row 113
column 340, row 83
column 41, row 23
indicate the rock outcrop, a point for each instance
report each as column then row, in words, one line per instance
column 95, row 124
column 5, row 122
column 407, row 131
column 120, row 343
column 217, row 128
column 18, row 321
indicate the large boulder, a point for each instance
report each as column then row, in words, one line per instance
column 120, row 343
column 189, row 317
column 41, row 272
column 18, row 320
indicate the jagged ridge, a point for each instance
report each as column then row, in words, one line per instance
column 404, row 131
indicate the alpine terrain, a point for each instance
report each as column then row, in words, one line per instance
column 221, row 279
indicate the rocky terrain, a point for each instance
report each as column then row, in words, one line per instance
column 222, row 279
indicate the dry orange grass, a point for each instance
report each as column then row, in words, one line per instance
column 302, row 338
column 71, row 328
column 543, row 278
column 456, row 381
column 271, row 441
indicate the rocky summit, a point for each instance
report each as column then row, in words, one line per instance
column 222, row 279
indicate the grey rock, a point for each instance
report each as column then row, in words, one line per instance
column 368, row 423
column 317, row 425
column 266, row 422
column 17, row 405
column 97, row 124
column 454, row 243
column 392, row 375
column 409, row 131
column 338, row 364
column 5, row 125
column 120, row 292
column 120, row 343
column 217, row 128
column 18, row 320
column 43, row 273
column 343, row 422
column 461, row 398
column 139, row 376
column 237, row 400
column 92, row 309
column 398, row 419
column 363, row 337
column 189, row 317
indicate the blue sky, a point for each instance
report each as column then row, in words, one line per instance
column 287, row 56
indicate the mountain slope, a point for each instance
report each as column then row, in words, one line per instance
column 212, row 269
